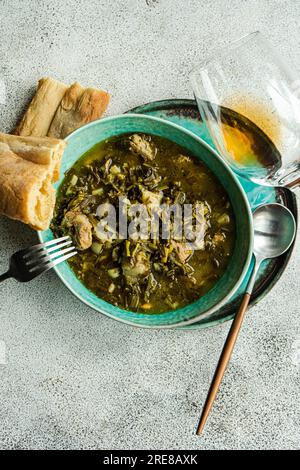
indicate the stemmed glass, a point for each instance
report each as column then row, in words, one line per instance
column 250, row 101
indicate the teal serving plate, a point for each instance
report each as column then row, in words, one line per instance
column 86, row 137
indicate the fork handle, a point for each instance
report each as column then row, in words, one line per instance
column 5, row 276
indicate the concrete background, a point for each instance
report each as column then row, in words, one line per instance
column 74, row 378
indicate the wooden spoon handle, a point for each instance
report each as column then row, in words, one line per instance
column 293, row 184
column 223, row 361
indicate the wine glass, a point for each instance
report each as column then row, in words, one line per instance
column 250, row 101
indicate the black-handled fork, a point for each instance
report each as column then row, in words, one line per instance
column 27, row 264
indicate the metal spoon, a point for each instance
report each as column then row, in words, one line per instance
column 274, row 232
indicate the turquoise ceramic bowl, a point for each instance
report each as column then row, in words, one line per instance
column 86, row 137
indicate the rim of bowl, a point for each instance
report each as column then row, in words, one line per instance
column 219, row 304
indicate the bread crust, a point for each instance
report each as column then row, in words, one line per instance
column 56, row 110
column 79, row 106
column 40, row 113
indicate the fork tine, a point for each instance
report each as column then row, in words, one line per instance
column 61, row 252
column 63, row 258
column 39, row 269
column 41, row 246
column 55, row 240
column 43, row 252
column 45, row 258
column 58, row 246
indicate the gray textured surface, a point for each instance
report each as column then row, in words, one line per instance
column 75, row 379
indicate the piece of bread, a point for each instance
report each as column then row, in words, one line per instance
column 44, row 151
column 40, row 113
column 79, row 106
column 28, row 165
column 57, row 110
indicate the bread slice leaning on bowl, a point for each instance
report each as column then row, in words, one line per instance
column 28, row 167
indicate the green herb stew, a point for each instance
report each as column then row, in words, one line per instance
column 157, row 269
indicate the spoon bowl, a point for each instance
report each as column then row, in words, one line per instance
column 274, row 230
